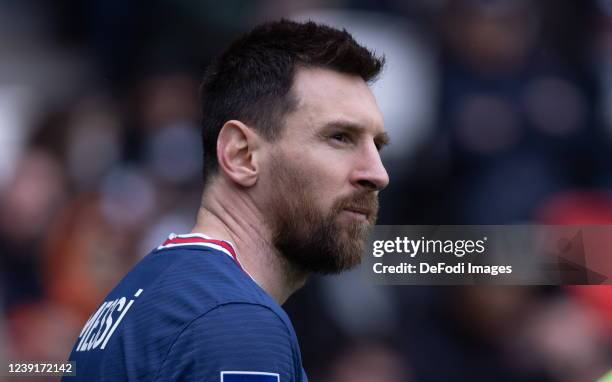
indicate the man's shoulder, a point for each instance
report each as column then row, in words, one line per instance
column 246, row 317
column 239, row 323
column 202, row 275
column 198, row 280
column 168, row 292
column 234, row 337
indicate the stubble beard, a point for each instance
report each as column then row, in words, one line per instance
column 311, row 240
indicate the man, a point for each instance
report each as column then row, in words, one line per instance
column 291, row 135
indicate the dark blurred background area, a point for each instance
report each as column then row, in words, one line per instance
column 499, row 112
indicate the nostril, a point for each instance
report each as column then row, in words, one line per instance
column 368, row 184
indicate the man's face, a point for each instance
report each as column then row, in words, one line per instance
column 323, row 174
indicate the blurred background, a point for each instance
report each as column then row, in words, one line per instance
column 500, row 112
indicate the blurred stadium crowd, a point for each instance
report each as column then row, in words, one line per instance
column 500, row 112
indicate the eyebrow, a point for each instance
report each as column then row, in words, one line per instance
column 382, row 138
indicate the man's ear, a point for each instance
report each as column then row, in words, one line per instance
column 237, row 153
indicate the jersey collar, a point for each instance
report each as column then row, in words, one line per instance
column 202, row 240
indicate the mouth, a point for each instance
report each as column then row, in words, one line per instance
column 360, row 213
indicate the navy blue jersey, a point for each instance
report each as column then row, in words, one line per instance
column 188, row 312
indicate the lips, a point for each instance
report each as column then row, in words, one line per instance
column 362, row 211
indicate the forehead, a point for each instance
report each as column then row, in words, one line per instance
column 324, row 95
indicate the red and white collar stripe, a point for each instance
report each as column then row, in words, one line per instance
column 202, row 240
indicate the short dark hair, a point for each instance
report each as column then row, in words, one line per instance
column 250, row 81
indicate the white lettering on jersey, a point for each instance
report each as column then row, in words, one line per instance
column 103, row 321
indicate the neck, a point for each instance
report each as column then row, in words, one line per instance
column 243, row 225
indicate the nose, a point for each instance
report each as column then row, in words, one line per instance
column 370, row 173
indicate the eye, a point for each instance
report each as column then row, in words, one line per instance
column 340, row 137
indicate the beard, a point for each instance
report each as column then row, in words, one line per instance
column 312, row 240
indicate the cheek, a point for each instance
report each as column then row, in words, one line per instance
column 320, row 174
column 323, row 182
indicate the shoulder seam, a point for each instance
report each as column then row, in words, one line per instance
column 182, row 330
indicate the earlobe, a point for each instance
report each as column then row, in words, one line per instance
column 237, row 147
